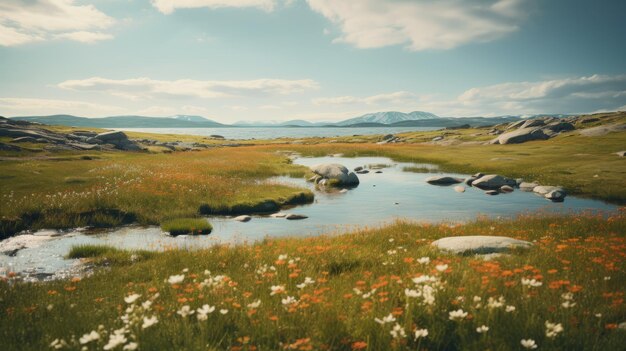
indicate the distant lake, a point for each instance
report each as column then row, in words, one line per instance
column 279, row 132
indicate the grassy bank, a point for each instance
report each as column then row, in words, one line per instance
column 328, row 293
column 113, row 188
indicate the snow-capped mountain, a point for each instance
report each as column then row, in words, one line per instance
column 388, row 117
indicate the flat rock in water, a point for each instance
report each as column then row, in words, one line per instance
column 243, row 218
column 278, row 215
column 459, row 189
column 293, row 216
column 492, row 192
column 479, row 244
column 442, row 180
column 556, row 196
column 526, row 186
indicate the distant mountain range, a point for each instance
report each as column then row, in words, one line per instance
column 389, row 117
column 378, row 119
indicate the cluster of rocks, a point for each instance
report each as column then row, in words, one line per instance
column 334, row 175
column 288, row 216
column 389, row 139
column 494, row 184
column 540, row 128
column 27, row 132
column 176, row 145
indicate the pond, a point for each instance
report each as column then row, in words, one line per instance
column 380, row 198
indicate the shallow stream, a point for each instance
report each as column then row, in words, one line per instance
column 380, row 198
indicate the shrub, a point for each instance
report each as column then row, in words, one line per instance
column 182, row 226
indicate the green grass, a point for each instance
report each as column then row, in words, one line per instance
column 418, row 169
column 182, row 226
column 117, row 188
column 582, row 255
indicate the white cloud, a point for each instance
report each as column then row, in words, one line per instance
column 169, row 6
column 22, row 106
column 566, row 95
column 146, row 88
column 22, row 21
column 399, row 97
column 421, row 24
column 85, row 37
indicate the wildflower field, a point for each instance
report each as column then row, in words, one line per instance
column 377, row 289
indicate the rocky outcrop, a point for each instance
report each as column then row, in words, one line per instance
column 27, row 132
column 480, row 244
column 520, row 136
column 334, row 174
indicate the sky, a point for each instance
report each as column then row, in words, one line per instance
column 319, row 60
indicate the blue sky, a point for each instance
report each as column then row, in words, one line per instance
column 233, row 60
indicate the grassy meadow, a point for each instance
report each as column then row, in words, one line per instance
column 376, row 289
column 113, row 188
column 381, row 288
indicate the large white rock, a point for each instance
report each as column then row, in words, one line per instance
column 479, row 244
column 493, row 181
column 338, row 174
column 544, row 189
column 520, row 136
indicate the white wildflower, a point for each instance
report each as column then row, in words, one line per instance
column 254, row 304
column 423, row 260
column 553, row 329
column 533, row 283
column 58, row 344
column 224, row 311
column 441, row 267
column 89, row 337
column 509, row 308
column 528, row 344
column 397, row 332
column 388, row 319
column 412, row 293
column 482, row 329
column 130, row 346
column 131, row 298
column 277, row 289
column 149, row 321
column 289, row 300
column 457, row 315
column 176, row 279
column 115, row 339
column 420, row 333
column 204, row 311
column 493, row 303
column 185, row 311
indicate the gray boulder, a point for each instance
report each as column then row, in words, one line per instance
column 112, row 137
column 493, row 181
column 556, row 196
column 492, row 192
column 443, row 180
column 520, row 136
column 335, row 175
column 479, row 244
column 603, row 130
